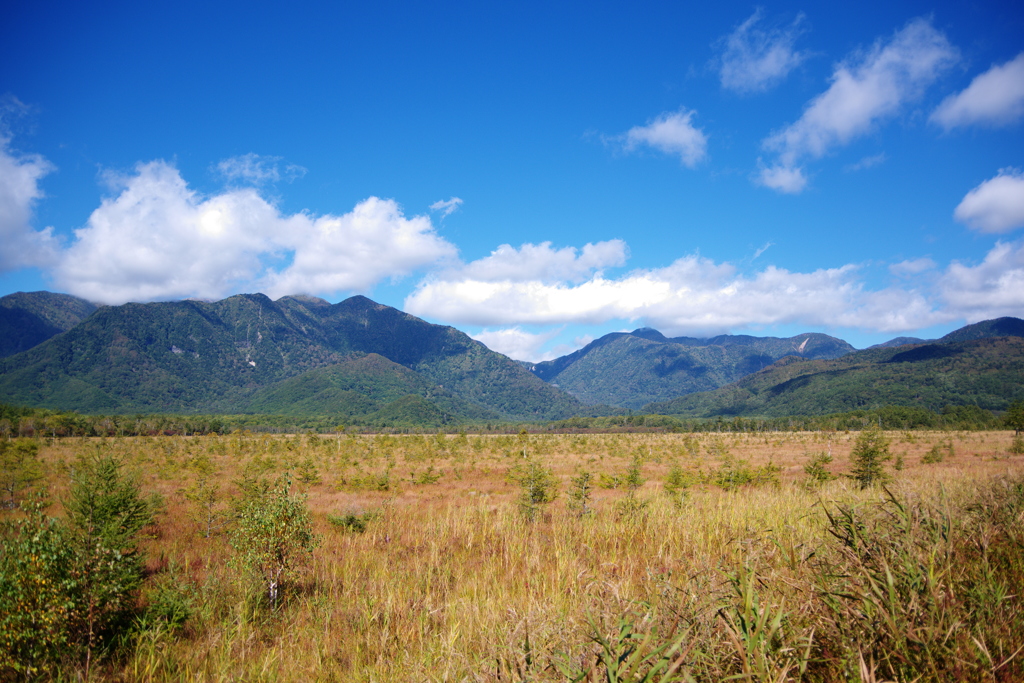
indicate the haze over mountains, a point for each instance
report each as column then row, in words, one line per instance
column 374, row 364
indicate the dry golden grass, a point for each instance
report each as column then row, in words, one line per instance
column 449, row 583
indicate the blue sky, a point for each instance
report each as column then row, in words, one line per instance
column 535, row 175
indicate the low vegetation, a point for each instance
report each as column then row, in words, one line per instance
column 758, row 556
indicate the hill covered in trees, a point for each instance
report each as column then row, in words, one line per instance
column 987, row 372
column 238, row 355
column 635, row 368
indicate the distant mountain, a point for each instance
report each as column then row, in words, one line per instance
column 999, row 327
column 249, row 353
column 30, row 318
column 986, row 372
column 900, row 341
column 636, row 368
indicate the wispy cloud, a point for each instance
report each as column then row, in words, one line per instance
column 995, row 98
column 912, row 267
column 767, row 245
column 447, row 207
column 155, row 238
column 756, row 57
column 996, row 205
column 866, row 88
column 672, row 133
column 868, row 162
column 255, row 169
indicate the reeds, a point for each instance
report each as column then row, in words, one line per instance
column 766, row 580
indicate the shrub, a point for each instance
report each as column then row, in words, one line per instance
column 817, row 469
column 106, row 512
column 273, row 536
column 580, row 493
column 870, row 453
column 353, row 521
column 538, row 487
column 19, row 468
column 37, row 591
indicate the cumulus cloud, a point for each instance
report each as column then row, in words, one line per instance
column 755, row 58
column 785, row 179
column 20, row 174
column 695, row 295
column 256, row 169
column 991, row 289
column 866, row 88
column 447, row 207
column 672, row 133
column 155, row 238
column 691, row 294
column 517, row 343
column 543, row 263
column 995, row 97
column 996, row 205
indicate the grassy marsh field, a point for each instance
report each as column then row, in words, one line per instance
column 482, row 558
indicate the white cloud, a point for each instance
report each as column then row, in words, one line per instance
column 783, row 179
column 672, row 133
column 866, row 88
column 543, row 263
column 755, row 59
column 912, row 267
column 446, row 207
column 695, row 295
column 255, row 169
column 518, row 344
column 992, row 289
column 995, row 97
column 20, row 174
column 996, row 205
column 158, row 239
column 868, row 162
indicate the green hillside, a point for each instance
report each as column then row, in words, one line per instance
column 633, row 369
column 30, row 318
column 227, row 357
column 986, row 372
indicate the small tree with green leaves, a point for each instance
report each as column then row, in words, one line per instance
column 106, row 513
column 38, row 594
column 580, row 494
column 19, row 469
column 817, row 469
column 538, row 487
column 1014, row 418
column 273, row 536
column 870, row 453
column 209, row 510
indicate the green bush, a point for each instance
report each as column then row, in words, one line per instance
column 870, row 453
column 538, row 487
column 19, row 468
column 580, row 494
column 38, row 591
column 273, row 536
column 817, row 469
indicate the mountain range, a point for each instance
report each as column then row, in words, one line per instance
column 372, row 364
column 248, row 353
column 631, row 369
